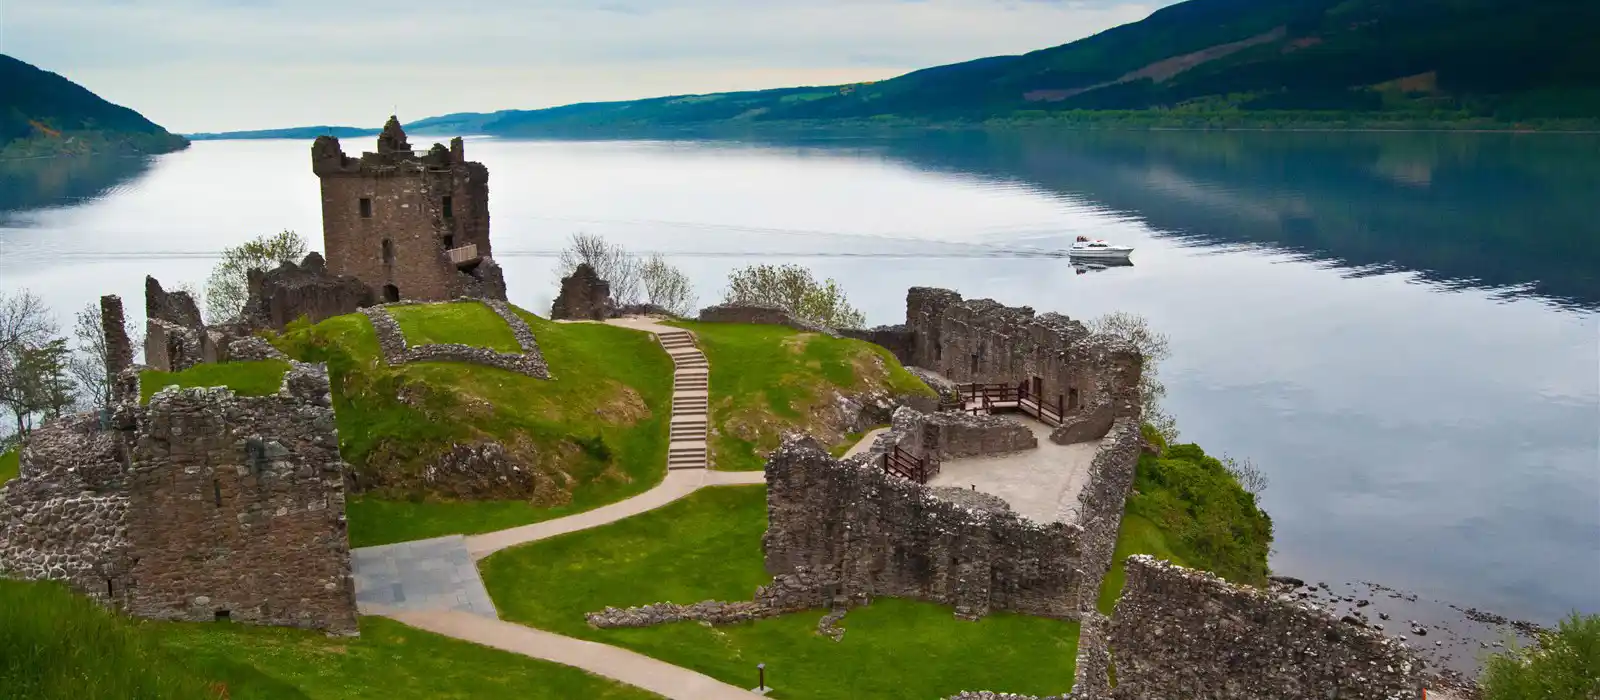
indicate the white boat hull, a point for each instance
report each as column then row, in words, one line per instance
column 1101, row 253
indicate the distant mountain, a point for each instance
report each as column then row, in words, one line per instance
column 1201, row 63
column 42, row 113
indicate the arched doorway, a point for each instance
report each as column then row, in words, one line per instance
column 391, row 293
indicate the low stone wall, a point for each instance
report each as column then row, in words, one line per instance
column 1180, row 633
column 789, row 593
column 253, row 348
column 768, row 315
column 978, row 435
column 396, row 351
column 1104, row 498
column 899, row 339
column 871, row 534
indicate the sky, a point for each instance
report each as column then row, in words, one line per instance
column 223, row 65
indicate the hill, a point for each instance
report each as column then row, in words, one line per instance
column 294, row 132
column 42, row 113
column 1207, row 63
column 1201, row 63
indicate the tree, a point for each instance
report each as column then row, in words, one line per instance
column 25, row 325
column 38, row 383
column 793, row 289
column 1565, row 665
column 609, row 260
column 229, row 286
column 1245, row 471
column 1154, row 346
column 666, row 286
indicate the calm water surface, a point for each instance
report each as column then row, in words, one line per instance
column 1401, row 330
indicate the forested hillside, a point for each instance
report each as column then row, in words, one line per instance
column 42, row 113
column 1345, row 61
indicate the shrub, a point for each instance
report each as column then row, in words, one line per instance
column 609, row 260
column 793, row 289
column 1216, row 523
column 666, row 286
column 1565, row 665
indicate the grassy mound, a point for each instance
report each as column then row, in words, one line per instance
column 254, row 378
column 594, row 434
column 1187, row 509
column 708, row 546
column 466, row 323
column 767, row 380
column 10, row 464
column 57, row 646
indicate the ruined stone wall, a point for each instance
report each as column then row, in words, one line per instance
column 1105, row 497
column 291, row 291
column 898, row 340
column 873, row 534
column 1094, row 377
column 199, row 506
column 64, row 517
column 1180, row 633
column 583, row 296
column 399, row 244
column 962, row 434
column 397, row 351
column 175, row 337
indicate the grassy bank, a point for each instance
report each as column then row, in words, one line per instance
column 594, row 434
column 708, row 546
column 767, row 380
column 10, row 464
column 254, row 378
column 58, row 646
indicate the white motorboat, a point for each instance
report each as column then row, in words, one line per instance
column 1085, row 248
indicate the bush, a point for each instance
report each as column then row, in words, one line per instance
column 228, row 287
column 1213, row 522
column 793, row 289
column 609, row 260
column 1565, row 665
column 666, row 286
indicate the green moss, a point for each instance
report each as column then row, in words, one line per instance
column 708, row 546
column 58, row 646
column 767, row 380
column 256, row 378
column 598, row 430
column 10, row 464
column 466, row 323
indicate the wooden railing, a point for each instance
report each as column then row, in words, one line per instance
column 907, row 466
column 987, row 398
column 465, row 255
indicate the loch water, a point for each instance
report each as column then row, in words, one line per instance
column 1401, row 330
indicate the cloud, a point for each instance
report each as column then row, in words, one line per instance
column 205, row 65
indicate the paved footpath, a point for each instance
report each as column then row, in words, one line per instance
column 434, row 584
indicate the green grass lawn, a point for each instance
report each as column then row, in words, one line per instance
column 1138, row 535
column 597, row 431
column 708, row 546
column 766, row 380
column 10, row 464
column 59, row 646
column 466, row 323
column 253, row 378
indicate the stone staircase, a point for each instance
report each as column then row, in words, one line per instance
column 686, row 448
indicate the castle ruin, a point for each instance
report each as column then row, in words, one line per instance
column 408, row 224
column 201, row 505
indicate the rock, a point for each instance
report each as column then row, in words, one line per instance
column 1288, row 580
column 584, row 296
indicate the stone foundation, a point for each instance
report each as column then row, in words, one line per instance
column 202, row 505
column 396, row 351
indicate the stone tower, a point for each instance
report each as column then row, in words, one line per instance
column 408, row 224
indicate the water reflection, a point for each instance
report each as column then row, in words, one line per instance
column 33, row 184
column 1518, row 214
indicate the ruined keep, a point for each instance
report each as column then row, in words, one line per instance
column 291, row 291
column 199, row 506
column 865, row 532
column 407, row 224
column 175, row 337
